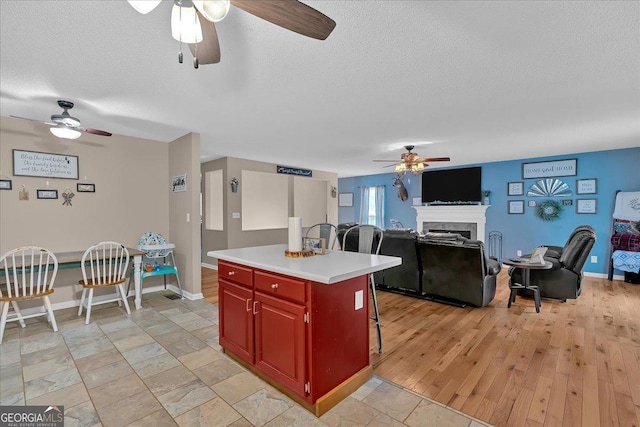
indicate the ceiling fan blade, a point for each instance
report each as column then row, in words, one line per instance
column 208, row 50
column 94, row 131
column 290, row 14
column 436, row 159
column 34, row 120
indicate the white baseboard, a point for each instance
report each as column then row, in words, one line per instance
column 210, row 266
column 98, row 299
column 603, row 275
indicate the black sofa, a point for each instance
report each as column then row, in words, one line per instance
column 564, row 280
column 445, row 267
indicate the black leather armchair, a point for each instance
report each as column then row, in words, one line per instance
column 457, row 270
column 564, row 280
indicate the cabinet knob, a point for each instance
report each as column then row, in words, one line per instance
column 274, row 286
column 231, row 273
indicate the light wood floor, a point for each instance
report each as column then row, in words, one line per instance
column 573, row 364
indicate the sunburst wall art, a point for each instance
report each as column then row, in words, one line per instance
column 549, row 187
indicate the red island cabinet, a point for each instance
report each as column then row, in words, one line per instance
column 308, row 339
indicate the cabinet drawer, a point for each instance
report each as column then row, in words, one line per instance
column 280, row 286
column 235, row 273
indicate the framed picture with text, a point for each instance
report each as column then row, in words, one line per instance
column 515, row 188
column 586, row 186
column 516, row 206
column 586, row 206
column 47, row 194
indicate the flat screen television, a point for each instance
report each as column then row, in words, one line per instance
column 452, row 186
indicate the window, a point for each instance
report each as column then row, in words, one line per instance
column 372, row 205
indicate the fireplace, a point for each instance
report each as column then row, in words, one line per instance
column 467, row 220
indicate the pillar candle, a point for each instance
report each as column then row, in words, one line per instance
column 295, row 234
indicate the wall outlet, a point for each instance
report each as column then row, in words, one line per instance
column 594, row 259
column 519, row 252
column 235, row 215
column 359, row 300
column 188, row 217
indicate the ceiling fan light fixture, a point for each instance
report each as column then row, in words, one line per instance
column 185, row 25
column 213, row 10
column 144, row 6
column 64, row 132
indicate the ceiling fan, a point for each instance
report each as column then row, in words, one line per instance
column 412, row 162
column 192, row 21
column 65, row 126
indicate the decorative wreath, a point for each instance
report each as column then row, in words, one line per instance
column 549, row 210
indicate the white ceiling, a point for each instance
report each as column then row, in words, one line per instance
column 483, row 81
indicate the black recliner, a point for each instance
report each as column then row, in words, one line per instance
column 404, row 278
column 564, row 280
column 456, row 270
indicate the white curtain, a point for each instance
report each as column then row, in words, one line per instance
column 380, row 206
column 364, row 205
column 373, row 215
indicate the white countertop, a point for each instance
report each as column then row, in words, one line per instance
column 333, row 267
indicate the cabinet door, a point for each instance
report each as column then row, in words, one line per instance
column 280, row 341
column 236, row 319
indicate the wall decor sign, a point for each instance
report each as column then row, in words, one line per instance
column 345, row 199
column 515, row 188
column 5, row 184
column 293, row 171
column 586, row 186
column 47, row 194
column 83, row 187
column 34, row 163
column 532, row 203
column 586, row 206
column 568, row 167
column 179, row 183
column 516, row 206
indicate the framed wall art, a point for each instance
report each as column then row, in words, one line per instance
column 516, row 206
column 345, row 199
column 5, row 184
column 586, row 186
column 568, row 167
column 85, row 188
column 515, row 188
column 49, row 165
column 47, row 194
column 586, row 206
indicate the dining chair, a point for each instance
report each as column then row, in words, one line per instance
column 369, row 242
column 324, row 231
column 158, row 260
column 26, row 273
column 103, row 265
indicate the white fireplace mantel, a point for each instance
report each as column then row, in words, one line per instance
column 453, row 213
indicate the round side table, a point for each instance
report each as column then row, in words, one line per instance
column 526, row 269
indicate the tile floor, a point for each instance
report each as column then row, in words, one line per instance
column 162, row 366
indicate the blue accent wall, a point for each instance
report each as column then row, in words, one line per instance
column 613, row 170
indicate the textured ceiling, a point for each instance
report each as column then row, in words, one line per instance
column 482, row 81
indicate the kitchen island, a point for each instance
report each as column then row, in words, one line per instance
column 302, row 324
